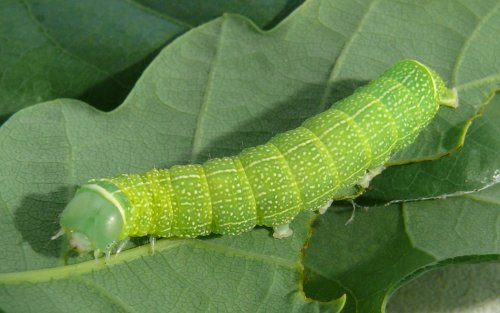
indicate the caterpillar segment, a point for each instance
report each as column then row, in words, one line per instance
column 301, row 169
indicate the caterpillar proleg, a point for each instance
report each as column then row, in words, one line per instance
column 301, row 169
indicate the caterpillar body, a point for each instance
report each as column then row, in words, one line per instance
column 301, row 169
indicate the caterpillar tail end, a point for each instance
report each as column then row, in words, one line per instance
column 449, row 98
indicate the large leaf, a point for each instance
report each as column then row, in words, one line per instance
column 221, row 87
column 224, row 274
column 95, row 50
column 382, row 247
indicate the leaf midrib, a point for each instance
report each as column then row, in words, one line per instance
column 59, row 273
column 207, row 91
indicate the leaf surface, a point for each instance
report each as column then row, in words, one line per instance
column 461, row 288
column 397, row 243
column 96, row 50
column 227, row 85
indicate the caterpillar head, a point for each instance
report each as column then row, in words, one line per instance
column 92, row 220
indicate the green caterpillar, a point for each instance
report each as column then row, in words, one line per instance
column 301, row 169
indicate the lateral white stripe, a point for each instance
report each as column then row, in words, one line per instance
column 108, row 196
column 184, row 177
column 330, row 129
column 305, row 143
column 262, row 160
column 234, row 223
column 357, row 112
column 232, row 170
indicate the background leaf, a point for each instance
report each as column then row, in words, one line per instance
column 396, row 243
column 224, row 86
column 461, row 288
column 96, row 50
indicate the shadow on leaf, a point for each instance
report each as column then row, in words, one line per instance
column 37, row 219
column 108, row 94
column 283, row 117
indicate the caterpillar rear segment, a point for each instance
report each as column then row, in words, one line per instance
column 302, row 169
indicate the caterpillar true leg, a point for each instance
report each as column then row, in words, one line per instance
column 282, row 231
column 324, row 208
column 122, row 245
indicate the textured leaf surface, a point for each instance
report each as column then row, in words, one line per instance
column 226, row 274
column 460, row 288
column 398, row 242
column 95, row 50
column 225, row 86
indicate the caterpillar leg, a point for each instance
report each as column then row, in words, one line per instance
column 152, row 241
column 365, row 180
column 107, row 252
column 97, row 254
column 122, row 245
column 324, row 208
column 59, row 233
column 282, row 231
column 107, row 255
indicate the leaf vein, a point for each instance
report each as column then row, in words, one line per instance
column 337, row 65
column 467, row 43
column 198, row 133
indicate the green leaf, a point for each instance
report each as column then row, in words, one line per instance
column 232, row 274
column 461, row 288
column 217, row 89
column 96, row 50
column 263, row 13
column 383, row 247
